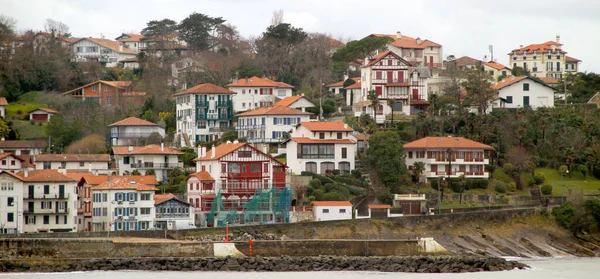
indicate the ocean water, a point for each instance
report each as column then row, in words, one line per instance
column 564, row 268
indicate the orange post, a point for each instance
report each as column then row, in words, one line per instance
column 227, row 233
column 250, row 245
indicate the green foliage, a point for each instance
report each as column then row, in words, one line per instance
column 148, row 115
column 196, row 30
column 563, row 170
column 512, row 186
column 546, row 189
column 500, row 187
column 519, row 71
column 386, row 157
column 150, row 172
column 360, row 49
column 248, row 69
column 350, row 181
column 507, row 168
column 538, row 179
column 315, row 183
column 583, row 169
column 175, row 176
column 4, row 129
column 564, row 214
column 136, row 172
column 385, row 197
column 592, row 206
column 581, row 86
column 479, row 90
column 188, row 157
column 159, row 28
column 356, row 174
column 63, row 133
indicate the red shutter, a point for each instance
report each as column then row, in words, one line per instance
column 271, row 91
column 415, row 95
column 400, row 76
column 377, row 74
column 431, row 61
column 390, row 76
column 410, row 155
column 261, row 91
column 433, row 168
column 378, row 90
column 389, row 62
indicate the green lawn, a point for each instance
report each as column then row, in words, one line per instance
column 27, row 130
column 575, row 184
column 20, row 111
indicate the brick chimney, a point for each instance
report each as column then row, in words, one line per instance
column 558, row 39
column 398, row 35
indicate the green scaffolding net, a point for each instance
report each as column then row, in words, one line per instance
column 271, row 206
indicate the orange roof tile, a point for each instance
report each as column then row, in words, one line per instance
column 133, row 121
column 361, row 137
column 540, row 48
column 548, row 80
column 72, row 157
column 309, row 140
column 148, row 149
column 335, row 43
column 160, row 198
column 4, row 155
column 110, row 44
column 331, row 203
column 3, row 101
column 341, row 82
column 288, row 101
column 446, row 142
column 77, row 176
column 354, row 86
column 274, row 110
column 379, row 206
column 571, row 59
column 220, row 151
column 495, row 65
column 507, row 81
column 47, row 110
column 202, row 176
column 258, row 82
column 122, row 184
column 11, row 174
column 327, row 126
column 131, row 37
column 206, row 88
column 45, row 176
column 466, row 61
column 99, row 179
column 117, row 84
column 23, row 144
column 408, row 42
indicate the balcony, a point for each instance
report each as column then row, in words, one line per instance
column 397, row 82
column 316, row 156
column 245, row 175
column 250, row 127
column 172, row 215
column 40, row 196
column 264, row 140
column 129, row 135
column 219, row 129
column 468, row 174
column 433, row 65
column 213, row 116
column 46, row 211
column 200, row 103
column 151, row 165
column 223, row 103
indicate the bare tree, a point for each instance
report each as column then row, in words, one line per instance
column 59, row 28
column 277, row 17
column 7, row 28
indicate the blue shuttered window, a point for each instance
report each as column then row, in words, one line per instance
column 274, row 135
column 274, row 120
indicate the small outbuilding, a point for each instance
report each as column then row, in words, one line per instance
column 42, row 114
column 332, row 210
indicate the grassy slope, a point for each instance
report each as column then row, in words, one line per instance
column 576, row 183
column 29, row 131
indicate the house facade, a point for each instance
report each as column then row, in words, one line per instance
column 336, row 87
column 255, row 92
column 158, row 158
column 11, row 203
column 448, row 157
column 572, row 64
column 394, row 80
column 130, row 130
column 269, row 124
column 99, row 163
column 204, row 113
column 42, row 114
column 3, row 104
column 496, row 70
column 332, row 210
column 543, row 60
column 105, row 51
column 296, row 102
column 418, row 52
column 122, row 205
column 131, row 41
column 49, row 201
column 321, row 147
column 239, row 170
column 171, row 211
column 13, row 163
column 23, row 147
column 519, row 92
column 110, row 93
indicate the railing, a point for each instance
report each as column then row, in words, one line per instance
column 39, row 196
column 250, row 127
column 150, row 165
column 301, row 208
column 219, row 129
column 201, row 104
column 315, row 156
column 264, row 140
column 213, row 116
column 397, row 80
column 172, row 215
column 46, row 211
column 130, row 135
column 433, row 65
column 223, row 103
column 245, row 175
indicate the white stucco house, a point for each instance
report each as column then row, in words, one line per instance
column 14, row 163
column 269, row 124
column 99, row 163
column 155, row 157
column 122, row 205
column 204, row 113
column 448, row 157
column 3, row 104
column 336, row 87
column 255, row 92
column 23, row 147
column 299, row 102
column 131, row 41
column 332, row 210
column 42, row 114
column 173, row 213
column 321, row 147
column 496, row 70
column 11, row 201
column 129, row 130
column 106, row 51
column 519, row 92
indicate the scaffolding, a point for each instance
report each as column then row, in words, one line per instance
column 271, row 206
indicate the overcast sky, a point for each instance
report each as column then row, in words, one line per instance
column 463, row 27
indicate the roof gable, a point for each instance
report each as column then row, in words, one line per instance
column 508, row 81
column 331, row 203
column 259, row 82
column 133, row 121
column 386, row 55
column 148, row 150
column 321, row 126
column 206, row 88
column 274, row 110
column 446, row 142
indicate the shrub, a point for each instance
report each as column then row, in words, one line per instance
column 315, row 183
column 19, row 112
column 150, row 172
column 546, row 189
column 564, row 214
column 477, row 183
column 500, row 188
column 507, row 168
column 136, row 172
column 596, row 172
column 530, row 181
column 505, row 200
column 539, row 179
column 544, row 212
column 356, row 174
column 336, row 172
column 512, row 186
column 455, row 186
column 91, row 144
column 385, row 197
column 563, row 170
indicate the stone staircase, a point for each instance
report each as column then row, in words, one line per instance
column 361, row 203
column 536, row 194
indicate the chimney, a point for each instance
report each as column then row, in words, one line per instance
column 345, row 77
column 109, row 177
column 419, row 41
column 213, row 152
column 162, row 146
column 201, row 151
column 26, row 173
column 520, row 46
column 120, row 48
column 130, row 149
column 236, row 142
column 345, row 125
column 228, row 142
column 558, row 39
column 398, row 35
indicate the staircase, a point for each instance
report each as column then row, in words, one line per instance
column 362, row 203
column 535, row 193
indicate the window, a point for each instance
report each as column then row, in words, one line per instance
column 311, row 167
column 109, row 100
column 145, row 211
column 46, row 189
column 344, row 152
column 327, row 167
column 343, row 210
column 63, row 165
column 12, row 162
column 316, row 151
column 46, row 219
column 95, row 87
column 244, row 154
column 4, row 162
column 558, row 66
column 509, row 99
column 339, row 135
column 105, row 197
column 105, row 87
column 126, row 160
column 525, row 101
column 10, row 201
column 145, row 197
column 525, row 86
column 10, row 217
column 81, row 164
column 281, row 93
column 243, row 91
column 321, row 135
column 325, row 210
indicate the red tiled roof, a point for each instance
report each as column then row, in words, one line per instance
column 540, row 48
column 206, row 88
column 341, row 82
column 507, row 81
column 77, row 176
column 44, row 176
column 133, row 121
column 258, row 82
column 548, row 80
column 354, row 86
column 148, row 149
column 123, row 183
column 309, row 140
column 327, row 126
column 361, row 137
column 116, row 84
column 4, row 155
column 495, row 65
column 47, row 110
column 466, row 61
column 335, row 43
column 3, row 101
column 202, row 176
column 72, row 158
column 446, row 142
column 288, row 101
column 11, row 174
column 571, row 59
column 274, row 110
column 160, row 198
column 132, row 37
column 408, row 42
column 7, row 144
column 99, row 179
column 331, row 203
column 110, row 44
column 379, row 206
column 220, row 151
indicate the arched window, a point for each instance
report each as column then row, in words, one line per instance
column 344, row 167
column 327, row 167
column 311, row 167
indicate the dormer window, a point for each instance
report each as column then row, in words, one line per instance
column 515, row 58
